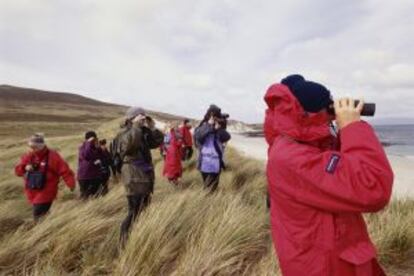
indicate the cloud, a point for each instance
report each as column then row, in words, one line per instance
column 180, row 55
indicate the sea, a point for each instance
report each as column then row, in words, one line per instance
column 397, row 139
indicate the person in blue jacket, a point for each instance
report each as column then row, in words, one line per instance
column 211, row 138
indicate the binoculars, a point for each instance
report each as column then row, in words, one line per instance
column 367, row 110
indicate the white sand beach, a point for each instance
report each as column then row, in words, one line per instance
column 403, row 166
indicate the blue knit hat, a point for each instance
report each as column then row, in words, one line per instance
column 291, row 80
column 312, row 96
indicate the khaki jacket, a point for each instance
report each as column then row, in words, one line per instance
column 134, row 145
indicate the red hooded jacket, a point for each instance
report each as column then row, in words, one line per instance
column 187, row 136
column 319, row 190
column 57, row 168
column 172, row 167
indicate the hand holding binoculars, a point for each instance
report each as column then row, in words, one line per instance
column 367, row 110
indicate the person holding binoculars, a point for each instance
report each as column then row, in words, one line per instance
column 133, row 144
column 321, row 181
column 211, row 137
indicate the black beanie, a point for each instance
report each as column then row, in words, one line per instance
column 90, row 134
column 291, row 80
column 215, row 110
column 312, row 96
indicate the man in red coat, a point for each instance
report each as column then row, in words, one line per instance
column 42, row 169
column 185, row 131
column 320, row 185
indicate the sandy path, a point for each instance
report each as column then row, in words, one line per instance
column 403, row 166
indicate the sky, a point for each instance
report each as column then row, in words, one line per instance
column 179, row 56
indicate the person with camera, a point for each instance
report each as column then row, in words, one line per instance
column 187, row 149
column 90, row 166
column 173, row 168
column 320, row 182
column 42, row 169
column 211, row 137
column 135, row 141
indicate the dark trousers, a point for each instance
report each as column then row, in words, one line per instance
column 136, row 204
column 104, row 186
column 187, row 153
column 211, row 181
column 40, row 210
column 89, row 187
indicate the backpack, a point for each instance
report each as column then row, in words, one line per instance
column 36, row 180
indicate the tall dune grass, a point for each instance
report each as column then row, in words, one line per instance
column 185, row 231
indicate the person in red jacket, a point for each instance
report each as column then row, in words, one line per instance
column 42, row 169
column 319, row 184
column 185, row 131
column 173, row 154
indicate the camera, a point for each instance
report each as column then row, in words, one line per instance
column 221, row 119
column 35, row 166
column 367, row 110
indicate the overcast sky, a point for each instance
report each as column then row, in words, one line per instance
column 179, row 56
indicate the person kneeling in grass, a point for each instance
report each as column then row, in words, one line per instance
column 42, row 169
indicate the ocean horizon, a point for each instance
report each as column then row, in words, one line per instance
column 398, row 139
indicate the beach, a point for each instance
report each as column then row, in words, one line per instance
column 403, row 166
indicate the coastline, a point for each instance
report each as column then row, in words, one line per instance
column 403, row 166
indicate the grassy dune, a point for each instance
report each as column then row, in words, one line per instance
column 184, row 232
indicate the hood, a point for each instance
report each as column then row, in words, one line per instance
column 285, row 116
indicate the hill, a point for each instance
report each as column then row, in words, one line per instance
column 24, row 111
column 10, row 94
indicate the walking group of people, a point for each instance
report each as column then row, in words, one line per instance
column 42, row 169
column 321, row 178
column 128, row 155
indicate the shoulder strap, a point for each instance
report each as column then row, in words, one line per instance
column 47, row 160
column 47, row 164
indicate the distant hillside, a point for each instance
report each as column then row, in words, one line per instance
column 24, row 111
column 49, row 106
column 17, row 94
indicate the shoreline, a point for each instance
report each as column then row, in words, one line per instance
column 403, row 166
